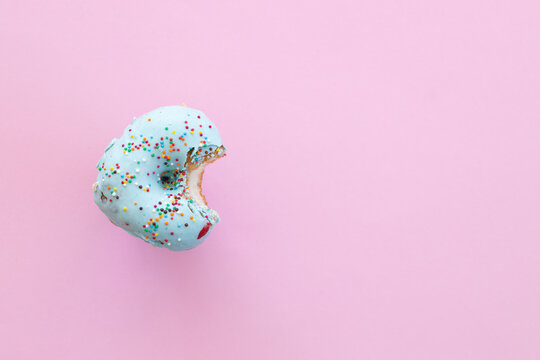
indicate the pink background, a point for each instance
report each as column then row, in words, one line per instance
column 380, row 199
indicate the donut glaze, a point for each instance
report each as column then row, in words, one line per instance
column 149, row 179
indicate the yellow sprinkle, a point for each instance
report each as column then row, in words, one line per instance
column 125, row 209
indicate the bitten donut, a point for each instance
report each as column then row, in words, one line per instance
column 149, row 180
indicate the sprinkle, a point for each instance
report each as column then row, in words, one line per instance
column 125, row 209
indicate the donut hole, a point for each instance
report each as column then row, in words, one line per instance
column 171, row 179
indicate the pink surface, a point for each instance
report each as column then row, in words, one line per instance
column 380, row 199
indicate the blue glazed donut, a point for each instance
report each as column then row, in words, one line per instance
column 149, row 180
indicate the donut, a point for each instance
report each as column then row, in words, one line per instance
column 149, row 180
